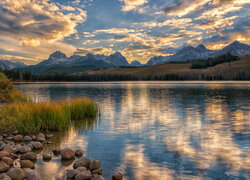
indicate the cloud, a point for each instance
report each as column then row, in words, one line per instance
column 34, row 21
column 183, row 7
column 115, row 31
column 28, row 61
column 133, row 5
column 96, row 50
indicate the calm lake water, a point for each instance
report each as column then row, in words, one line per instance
column 157, row 130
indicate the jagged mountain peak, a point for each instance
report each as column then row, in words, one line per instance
column 135, row 63
column 201, row 47
column 57, row 55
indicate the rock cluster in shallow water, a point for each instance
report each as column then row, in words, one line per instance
column 18, row 158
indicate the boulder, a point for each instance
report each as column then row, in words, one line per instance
column 68, row 154
column 117, row 176
column 4, row 176
column 4, row 167
column 29, row 156
column 31, row 174
column 4, row 154
column 72, row 173
column 79, row 153
column 81, row 169
column 37, row 145
column 27, row 138
column 47, row 156
column 83, row 176
column 18, row 138
column 16, row 174
column 84, row 162
column 96, row 164
column 57, row 151
column 25, row 149
column 27, row 164
column 97, row 171
column 8, row 160
column 98, row 178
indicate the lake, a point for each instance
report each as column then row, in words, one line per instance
column 157, row 130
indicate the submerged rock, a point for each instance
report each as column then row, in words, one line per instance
column 4, row 167
column 117, row 176
column 85, row 162
column 68, row 154
column 16, row 174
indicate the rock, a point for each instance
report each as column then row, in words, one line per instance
column 33, row 137
column 49, row 136
column 25, row 149
column 15, row 132
column 9, row 148
column 18, row 147
column 4, row 176
column 13, row 156
column 41, row 137
column 84, row 162
column 98, row 178
column 96, row 164
column 30, row 146
column 81, row 169
column 1, row 138
column 10, row 138
column 37, row 145
column 18, row 138
column 31, row 174
column 4, row 154
column 27, row 138
column 68, row 154
column 48, row 142
column 8, row 160
column 97, row 171
column 117, row 176
column 16, row 174
column 57, row 151
column 67, row 162
column 72, row 173
column 4, row 167
column 79, row 153
column 83, row 176
column 47, row 156
column 29, row 156
column 27, row 164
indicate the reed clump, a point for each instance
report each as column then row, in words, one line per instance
column 30, row 117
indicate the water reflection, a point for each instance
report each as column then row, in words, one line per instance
column 160, row 130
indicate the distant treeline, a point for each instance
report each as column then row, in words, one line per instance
column 210, row 62
column 28, row 76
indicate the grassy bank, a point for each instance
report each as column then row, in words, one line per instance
column 8, row 93
column 28, row 117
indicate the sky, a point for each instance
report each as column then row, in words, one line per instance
column 30, row 30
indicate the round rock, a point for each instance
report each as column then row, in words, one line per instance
column 79, row 153
column 83, row 176
column 84, row 162
column 57, row 151
column 47, row 156
column 25, row 149
column 4, row 154
column 72, row 173
column 8, row 160
column 16, row 174
column 96, row 164
column 117, row 176
column 27, row 138
column 31, row 174
column 98, row 178
column 81, row 169
column 27, row 164
column 97, row 171
column 18, row 138
column 29, row 156
column 4, row 167
column 37, row 145
column 68, row 154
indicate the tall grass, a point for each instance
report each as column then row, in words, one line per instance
column 30, row 117
column 8, row 93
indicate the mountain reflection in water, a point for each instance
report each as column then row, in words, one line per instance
column 158, row 130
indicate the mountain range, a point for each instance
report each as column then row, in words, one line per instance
column 58, row 62
column 5, row 64
column 201, row 52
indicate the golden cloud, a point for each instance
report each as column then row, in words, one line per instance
column 132, row 5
